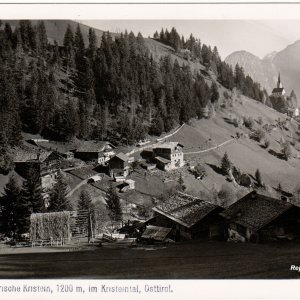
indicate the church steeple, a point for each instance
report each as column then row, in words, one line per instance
column 279, row 85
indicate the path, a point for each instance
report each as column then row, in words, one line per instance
column 213, row 148
column 77, row 187
column 155, row 143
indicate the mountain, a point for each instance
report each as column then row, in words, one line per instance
column 261, row 70
column 265, row 71
column 56, row 29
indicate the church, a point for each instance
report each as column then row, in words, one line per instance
column 279, row 90
column 283, row 103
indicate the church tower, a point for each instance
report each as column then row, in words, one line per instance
column 279, row 90
column 279, row 85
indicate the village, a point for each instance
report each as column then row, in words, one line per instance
column 149, row 204
column 147, row 217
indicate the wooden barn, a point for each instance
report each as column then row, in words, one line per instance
column 259, row 218
column 44, row 163
column 119, row 167
column 99, row 152
column 189, row 217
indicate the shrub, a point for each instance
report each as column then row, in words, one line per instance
column 226, row 95
column 248, row 122
column 266, row 143
column 226, row 164
column 286, row 151
column 258, row 178
column 259, row 134
column 200, row 171
column 226, row 195
column 260, row 121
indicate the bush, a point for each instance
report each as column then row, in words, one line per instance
column 199, row 171
column 226, row 164
column 258, row 134
column 286, row 151
column 226, row 195
column 237, row 122
column 266, row 143
column 260, row 121
column 226, row 95
column 248, row 122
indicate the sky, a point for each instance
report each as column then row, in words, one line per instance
column 260, row 37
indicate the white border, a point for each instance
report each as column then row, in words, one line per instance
column 150, row 11
column 183, row 289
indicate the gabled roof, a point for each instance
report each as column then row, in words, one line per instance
column 277, row 90
column 93, row 146
column 255, row 211
column 162, row 159
column 156, row 233
column 167, row 145
column 121, row 156
column 24, row 156
column 185, row 209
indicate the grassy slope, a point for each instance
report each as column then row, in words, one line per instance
column 245, row 153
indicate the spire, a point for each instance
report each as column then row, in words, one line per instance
column 279, row 85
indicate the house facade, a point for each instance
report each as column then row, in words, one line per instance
column 99, row 152
column 119, row 167
column 46, row 164
column 168, row 156
column 189, row 217
column 258, row 218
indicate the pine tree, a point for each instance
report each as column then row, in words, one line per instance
column 85, row 201
column 42, row 41
column 113, row 204
column 214, row 93
column 11, row 210
column 58, row 196
column 32, row 192
column 92, row 43
column 258, row 178
column 226, row 164
column 181, row 186
column 85, row 205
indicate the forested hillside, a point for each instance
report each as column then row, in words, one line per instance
column 117, row 91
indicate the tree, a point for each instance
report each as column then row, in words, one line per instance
column 214, row 93
column 58, row 197
column 279, row 189
column 113, row 204
column 42, row 41
column 226, row 195
column 226, row 164
column 286, row 150
column 31, row 193
column 181, row 187
column 258, row 178
column 12, row 211
column 85, row 205
column 85, row 201
column 199, row 171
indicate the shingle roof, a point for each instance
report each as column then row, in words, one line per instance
column 155, row 232
column 185, row 209
column 168, row 145
column 23, row 155
column 122, row 156
column 277, row 90
column 92, row 146
column 255, row 211
column 162, row 159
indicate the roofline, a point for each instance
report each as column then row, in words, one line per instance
column 172, row 218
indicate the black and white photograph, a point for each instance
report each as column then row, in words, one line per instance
column 149, row 149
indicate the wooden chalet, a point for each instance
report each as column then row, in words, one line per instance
column 259, row 218
column 189, row 217
column 119, row 166
column 99, row 152
column 44, row 163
